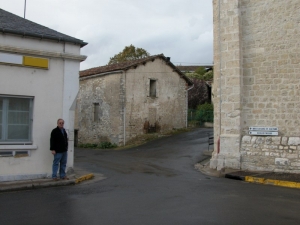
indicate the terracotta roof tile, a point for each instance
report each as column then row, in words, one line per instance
column 129, row 65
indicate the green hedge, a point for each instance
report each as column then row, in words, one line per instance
column 205, row 113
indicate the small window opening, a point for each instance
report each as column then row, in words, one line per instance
column 152, row 88
column 96, row 112
column 6, row 154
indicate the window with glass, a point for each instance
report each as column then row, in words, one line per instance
column 15, row 119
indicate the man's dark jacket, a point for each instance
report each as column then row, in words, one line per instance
column 58, row 141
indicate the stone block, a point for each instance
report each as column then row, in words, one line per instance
column 274, row 154
column 246, row 139
column 232, row 163
column 260, row 140
column 295, row 164
column 276, row 140
column 294, row 141
column 292, row 156
column 213, row 163
column 281, row 161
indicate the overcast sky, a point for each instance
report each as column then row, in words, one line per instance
column 180, row 29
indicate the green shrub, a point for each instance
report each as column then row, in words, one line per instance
column 205, row 113
column 100, row 145
column 106, row 145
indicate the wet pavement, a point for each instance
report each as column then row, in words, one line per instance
column 152, row 184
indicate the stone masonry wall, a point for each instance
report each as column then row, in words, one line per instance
column 271, row 79
column 271, row 65
column 128, row 92
column 279, row 154
column 108, row 92
column 264, row 35
column 166, row 111
column 227, row 88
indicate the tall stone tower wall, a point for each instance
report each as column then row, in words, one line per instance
column 256, row 83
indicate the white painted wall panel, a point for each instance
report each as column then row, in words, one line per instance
column 11, row 58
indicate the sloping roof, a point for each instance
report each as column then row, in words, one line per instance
column 131, row 65
column 13, row 24
column 192, row 68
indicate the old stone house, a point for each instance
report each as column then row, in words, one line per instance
column 257, row 85
column 39, row 83
column 121, row 101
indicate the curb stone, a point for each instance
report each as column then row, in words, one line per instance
column 42, row 183
column 281, row 183
column 85, row 177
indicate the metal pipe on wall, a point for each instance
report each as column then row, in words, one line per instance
column 187, row 104
column 124, row 109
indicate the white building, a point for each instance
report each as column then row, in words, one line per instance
column 39, row 71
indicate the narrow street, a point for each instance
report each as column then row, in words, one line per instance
column 153, row 184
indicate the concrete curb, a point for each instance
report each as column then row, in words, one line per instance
column 35, row 185
column 84, row 177
column 42, row 183
column 281, row 183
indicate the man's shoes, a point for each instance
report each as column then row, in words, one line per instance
column 55, row 179
column 65, row 178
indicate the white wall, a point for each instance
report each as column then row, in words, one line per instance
column 54, row 91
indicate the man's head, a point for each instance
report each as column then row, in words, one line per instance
column 60, row 123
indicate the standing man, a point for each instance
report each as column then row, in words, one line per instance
column 59, row 149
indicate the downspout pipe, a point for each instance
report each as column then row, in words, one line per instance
column 187, row 104
column 124, row 109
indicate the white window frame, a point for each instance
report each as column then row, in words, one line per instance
column 3, row 140
column 16, row 150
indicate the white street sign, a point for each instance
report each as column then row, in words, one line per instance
column 263, row 128
column 267, row 133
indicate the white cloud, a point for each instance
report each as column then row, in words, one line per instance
column 181, row 29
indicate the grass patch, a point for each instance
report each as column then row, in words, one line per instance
column 101, row 145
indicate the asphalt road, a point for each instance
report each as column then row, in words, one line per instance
column 153, row 184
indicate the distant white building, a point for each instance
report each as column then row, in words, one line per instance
column 39, row 71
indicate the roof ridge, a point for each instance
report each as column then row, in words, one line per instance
column 14, row 24
column 129, row 64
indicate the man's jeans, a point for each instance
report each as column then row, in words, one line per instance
column 60, row 160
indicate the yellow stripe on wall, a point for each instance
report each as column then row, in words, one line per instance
column 36, row 62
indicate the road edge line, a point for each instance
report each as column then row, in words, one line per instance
column 281, row 183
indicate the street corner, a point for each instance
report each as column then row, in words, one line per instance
column 205, row 169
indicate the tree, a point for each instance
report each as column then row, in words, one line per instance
column 198, row 94
column 129, row 53
column 201, row 73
